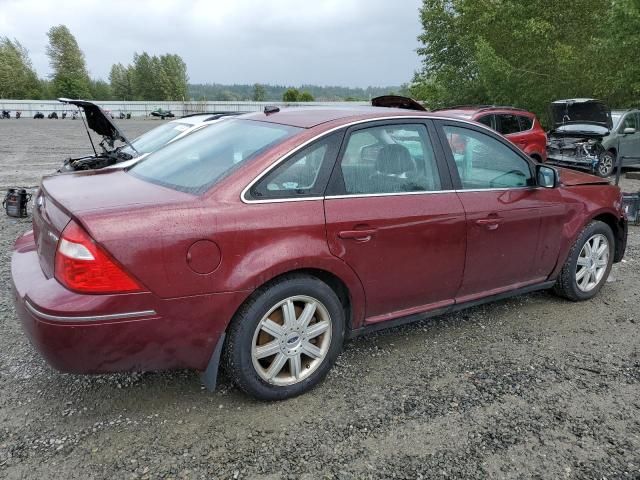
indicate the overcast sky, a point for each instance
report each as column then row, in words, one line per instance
column 324, row 42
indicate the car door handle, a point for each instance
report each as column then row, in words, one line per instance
column 359, row 235
column 490, row 223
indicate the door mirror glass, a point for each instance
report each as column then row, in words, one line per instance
column 629, row 131
column 547, row 176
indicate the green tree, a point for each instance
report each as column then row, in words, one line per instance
column 121, row 80
column 17, row 78
column 174, row 77
column 100, row 90
column 70, row 77
column 291, row 95
column 144, row 82
column 305, row 97
column 259, row 93
column 532, row 53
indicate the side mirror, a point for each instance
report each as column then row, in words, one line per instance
column 629, row 131
column 547, row 176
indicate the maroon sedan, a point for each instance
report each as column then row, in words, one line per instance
column 268, row 239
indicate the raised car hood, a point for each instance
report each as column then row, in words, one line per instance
column 397, row 101
column 98, row 121
column 580, row 111
column 572, row 178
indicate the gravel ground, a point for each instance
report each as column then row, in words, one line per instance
column 531, row 387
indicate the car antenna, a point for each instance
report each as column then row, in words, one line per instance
column 269, row 109
column 87, row 129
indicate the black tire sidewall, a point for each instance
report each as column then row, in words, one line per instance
column 593, row 228
column 238, row 359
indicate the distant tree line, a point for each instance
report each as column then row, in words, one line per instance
column 262, row 92
column 527, row 54
column 149, row 77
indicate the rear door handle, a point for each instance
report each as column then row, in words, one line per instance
column 359, row 235
column 490, row 223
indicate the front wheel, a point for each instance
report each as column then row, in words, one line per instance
column 606, row 164
column 285, row 338
column 588, row 264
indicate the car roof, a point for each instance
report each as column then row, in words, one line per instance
column 620, row 111
column 200, row 118
column 577, row 100
column 467, row 112
column 308, row 117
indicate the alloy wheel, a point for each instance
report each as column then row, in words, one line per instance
column 291, row 340
column 592, row 262
column 605, row 165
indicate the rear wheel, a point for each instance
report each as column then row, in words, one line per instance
column 588, row 264
column 285, row 339
column 606, row 164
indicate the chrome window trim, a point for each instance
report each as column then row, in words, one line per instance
column 89, row 318
column 427, row 192
column 243, row 194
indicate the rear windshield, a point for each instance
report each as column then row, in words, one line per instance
column 156, row 138
column 194, row 163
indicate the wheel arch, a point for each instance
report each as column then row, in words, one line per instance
column 617, row 227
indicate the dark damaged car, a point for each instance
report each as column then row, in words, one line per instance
column 110, row 148
column 579, row 126
column 114, row 148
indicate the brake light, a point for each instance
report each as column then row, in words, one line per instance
column 84, row 267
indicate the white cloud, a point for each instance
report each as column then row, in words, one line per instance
column 348, row 42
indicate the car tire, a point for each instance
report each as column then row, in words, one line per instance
column 271, row 358
column 606, row 165
column 583, row 274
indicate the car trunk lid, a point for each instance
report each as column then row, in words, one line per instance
column 397, row 101
column 79, row 195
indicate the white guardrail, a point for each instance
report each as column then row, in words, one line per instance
column 144, row 108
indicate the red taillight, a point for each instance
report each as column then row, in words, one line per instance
column 83, row 266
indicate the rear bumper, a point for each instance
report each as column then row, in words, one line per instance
column 79, row 333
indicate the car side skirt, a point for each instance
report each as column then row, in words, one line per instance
column 374, row 327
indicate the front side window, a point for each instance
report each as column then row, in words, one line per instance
column 484, row 162
column 630, row 121
column 198, row 160
column 389, row 159
column 304, row 174
column 509, row 124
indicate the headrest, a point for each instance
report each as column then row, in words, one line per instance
column 394, row 159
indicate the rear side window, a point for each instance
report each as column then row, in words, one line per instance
column 304, row 174
column 197, row 161
column 488, row 120
column 509, row 124
column 526, row 123
column 389, row 159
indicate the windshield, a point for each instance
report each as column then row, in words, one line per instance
column 194, row 163
column 616, row 119
column 583, row 127
column 157, row 137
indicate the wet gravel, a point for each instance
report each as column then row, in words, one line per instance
column 531, row 387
